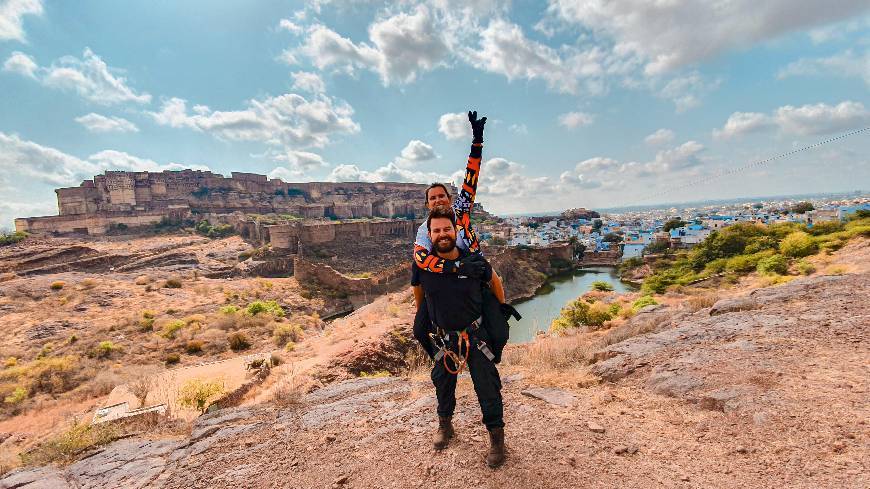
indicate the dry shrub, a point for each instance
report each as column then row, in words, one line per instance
column 87, row 284
column 58, row 285
column 551, row 352
column 202, row 290
column 291, row 390
column 698, row 302
column 65, row 447
column 143, row 280
column 213, row 339
column 142, row 384
column 193, row 347
column 172, row 358
column 284, row 333
column 173, row 283
column 238, row 341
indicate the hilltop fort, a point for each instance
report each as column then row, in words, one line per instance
column 122, row 199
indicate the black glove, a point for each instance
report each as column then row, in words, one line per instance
column 472, row 266
column 476, row 126
column 508, row 310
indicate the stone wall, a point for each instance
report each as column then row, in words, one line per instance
column 307, row 272
column 141, row 194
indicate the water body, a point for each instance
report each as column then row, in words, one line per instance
column 539, row 311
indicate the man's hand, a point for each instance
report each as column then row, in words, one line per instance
column 472, row 266
column 476, row 126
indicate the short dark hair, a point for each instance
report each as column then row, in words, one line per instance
column 440, row 211
column 434, row 185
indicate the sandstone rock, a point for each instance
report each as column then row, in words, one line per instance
column 554, row 396
column 668, row 383
column 724, row 399
column 733, row 305
column 625, row 450
column 594, row 427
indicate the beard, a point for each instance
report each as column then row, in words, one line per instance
column 445, row 244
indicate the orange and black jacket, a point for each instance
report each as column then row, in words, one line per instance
column 462, row 206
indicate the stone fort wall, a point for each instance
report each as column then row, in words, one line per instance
column 143, row 198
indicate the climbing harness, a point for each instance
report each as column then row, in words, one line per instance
column 459, row 358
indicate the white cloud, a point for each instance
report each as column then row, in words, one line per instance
column 573, row 120
column 409, row 166
column 418, row 151
column 504, row 179
column 11, row 13
column 683, row 157
column 290, row 26
column 308, row 82
column 661, row 136
column 454, row 125
column 387, row 173
column 298, row 165
column 21, row 64
column 504, row 49
column 598, row 164
column 676, row 33
column 821, row 119
column 847, row 64
column 402, row 46
column 90, row 77
column 289, row 120
column 740, row 123
column 518, row 129
column 806, row 120
column 838, row 31
column 28, row 160
column 99, row 123
column 685, row 91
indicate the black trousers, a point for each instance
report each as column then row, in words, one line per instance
column 487, row 386
column 422, row 327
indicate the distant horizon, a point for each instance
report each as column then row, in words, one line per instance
column 697, row 203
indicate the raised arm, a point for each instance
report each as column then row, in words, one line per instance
column 465, row 200
column 462, row 205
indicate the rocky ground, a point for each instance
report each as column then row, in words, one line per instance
column 766, row 388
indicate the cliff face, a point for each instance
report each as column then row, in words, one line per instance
column 524, row 270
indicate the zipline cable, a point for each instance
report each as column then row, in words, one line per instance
column 731, row 171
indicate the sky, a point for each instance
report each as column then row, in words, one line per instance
column 590, row 103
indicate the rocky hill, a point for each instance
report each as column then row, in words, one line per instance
column 766, row 387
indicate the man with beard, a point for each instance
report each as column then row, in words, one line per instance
column 455, row 304
column 472, row 263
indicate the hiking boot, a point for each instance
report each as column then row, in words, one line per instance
column 444, row 434
column 496, row 454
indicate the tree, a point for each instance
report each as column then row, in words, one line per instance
column 612, row 238
column 596, row 225
column 674, row 224
column 656, row 247
column 802, row 207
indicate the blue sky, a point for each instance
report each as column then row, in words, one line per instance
column 590, row 103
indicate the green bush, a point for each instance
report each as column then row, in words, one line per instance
column 746, row 263
column 826, row 227
column 805, row 267
column 105, row 349
column 644, row 301
column 196, row 393
column 773, row 265
column 17, row 396
column 229, row 310
column 12, row 238
column 602, row 286
column 798, row 245
column 269, row 307
column 169, row 329
column 581, row 313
